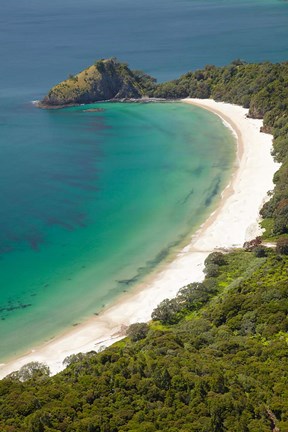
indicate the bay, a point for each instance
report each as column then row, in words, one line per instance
column 97, row 204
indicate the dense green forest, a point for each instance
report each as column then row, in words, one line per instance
column 213, row 359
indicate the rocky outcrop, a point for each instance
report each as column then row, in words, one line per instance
column 105, row 80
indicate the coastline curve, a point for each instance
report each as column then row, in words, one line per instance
column 233, row 222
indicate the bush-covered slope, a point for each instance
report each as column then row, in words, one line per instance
column 223, row 365
column 261, row 87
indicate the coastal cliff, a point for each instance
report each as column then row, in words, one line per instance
column 104, row 80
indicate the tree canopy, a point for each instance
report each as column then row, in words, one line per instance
column 222, row 365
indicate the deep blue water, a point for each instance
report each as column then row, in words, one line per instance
column 43, row 42
column 71, row 183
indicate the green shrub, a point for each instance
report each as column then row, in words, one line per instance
column 260, row 251
column 137, row 331
column 282, row 246
column 217, row 258
column 211, row 270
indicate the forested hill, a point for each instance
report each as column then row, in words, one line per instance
column 214, row 359
column 261, row 87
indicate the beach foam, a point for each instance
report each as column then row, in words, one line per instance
column 234, row 222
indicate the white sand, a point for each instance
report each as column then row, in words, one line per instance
column 235, row 221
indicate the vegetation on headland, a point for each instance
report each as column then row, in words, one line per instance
column 216, row 360
column 213, row 359
column 104, row 80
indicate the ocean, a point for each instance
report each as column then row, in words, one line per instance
column 92, row 202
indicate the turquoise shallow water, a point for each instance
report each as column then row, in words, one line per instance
column 115, row 193
column 92, row 202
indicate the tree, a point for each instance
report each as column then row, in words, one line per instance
column 217, row 258
column 260, row 251
column 137, row 331
column 33, row 370
column 166, row 311
column 282, row 246
column 211, row 270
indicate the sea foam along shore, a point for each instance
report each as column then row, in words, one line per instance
column 234, row 221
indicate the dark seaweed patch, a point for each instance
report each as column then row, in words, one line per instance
column 211, row 194
column 151, row 264
column 11, row 307
column 186, row 198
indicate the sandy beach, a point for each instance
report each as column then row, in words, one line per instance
column 234, row 222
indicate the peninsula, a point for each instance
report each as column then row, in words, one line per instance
column 106, row 79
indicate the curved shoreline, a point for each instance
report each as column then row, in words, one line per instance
column 233, row 222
